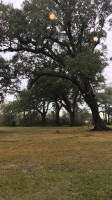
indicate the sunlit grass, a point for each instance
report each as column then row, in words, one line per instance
column 38, row 163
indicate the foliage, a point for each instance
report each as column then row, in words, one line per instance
column 9, row 115
column 31, row 119
column 105, row 102
column 59, row 92
column 82, row 115
column 8, row 78
column 68, row 39
column 64, row 46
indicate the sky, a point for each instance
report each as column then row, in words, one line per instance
column 16, row 3
column 107, row 71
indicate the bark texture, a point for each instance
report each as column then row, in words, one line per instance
column 72, row 119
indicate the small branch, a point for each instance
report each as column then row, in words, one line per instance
column 57, row 2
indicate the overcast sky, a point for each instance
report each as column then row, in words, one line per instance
column 108, row 70
column 16, row 3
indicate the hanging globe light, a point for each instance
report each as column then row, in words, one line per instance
column 95, row 38
column 100, row 86
column 52, row 15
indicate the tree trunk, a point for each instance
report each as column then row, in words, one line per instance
column 72, row 119
column 24, row 114
column 89, row 97
column 43, row 115
column 57, row 118
column 108, row 115
column 57, row 114
column 103, row 115
column 99, row 124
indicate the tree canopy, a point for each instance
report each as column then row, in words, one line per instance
column 65, row 45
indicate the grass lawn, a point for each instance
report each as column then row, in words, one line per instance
column 40, row 164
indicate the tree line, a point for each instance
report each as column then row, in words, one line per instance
column 46, row 99
column 43, row 105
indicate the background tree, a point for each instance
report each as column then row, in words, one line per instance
column 10, row 113
column 61, row 93
column 8, row 78
column 105, row 102
column 83, row 115
column 69, row 101
column 33, row 101
column 50, row 89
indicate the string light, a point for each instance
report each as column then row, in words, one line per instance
column 100, row 86
column 95, row 38
column 85, row 93
column 52, row 15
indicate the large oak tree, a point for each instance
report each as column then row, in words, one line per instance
column 67, row 41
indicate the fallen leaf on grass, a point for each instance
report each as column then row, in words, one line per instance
column 47, row 183
column 90, row 171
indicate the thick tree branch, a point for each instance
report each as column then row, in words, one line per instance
column 69, row 34
column 11, row 49
column 81, row 36
column 50, row 74
column 62, row 44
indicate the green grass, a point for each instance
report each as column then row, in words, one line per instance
column 88, row 135
column 36, row 163
column 9, row 141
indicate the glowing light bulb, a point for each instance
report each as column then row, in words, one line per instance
column 51, row 15
column 95, row 38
